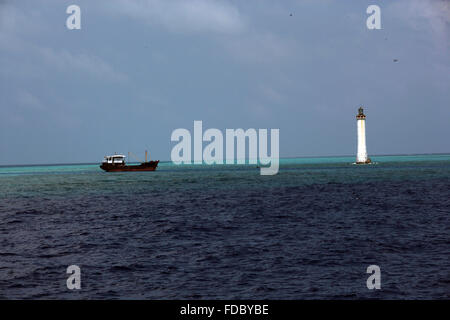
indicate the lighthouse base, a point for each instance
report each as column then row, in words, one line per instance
column 368, row 161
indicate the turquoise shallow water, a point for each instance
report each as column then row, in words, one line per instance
column 74, row 168
column 226, row 232
column 74, row 179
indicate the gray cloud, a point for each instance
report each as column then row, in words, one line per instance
column 198, row 16
column 260, row 47
column 436, row 14
column 64, row 60
column 27, row 100
column 17, row 29
column 150, row 66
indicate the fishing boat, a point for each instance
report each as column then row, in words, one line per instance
column 116, row 163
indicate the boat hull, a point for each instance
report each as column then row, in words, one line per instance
column 145, row 166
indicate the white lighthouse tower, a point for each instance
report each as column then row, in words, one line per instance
column 361, row 156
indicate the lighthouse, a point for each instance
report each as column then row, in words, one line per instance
column 361, row 156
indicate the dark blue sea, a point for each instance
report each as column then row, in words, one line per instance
column 226, row 232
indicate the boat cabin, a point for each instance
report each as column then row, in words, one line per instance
column 115, row 159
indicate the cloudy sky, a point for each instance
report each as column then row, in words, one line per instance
column 138, row 69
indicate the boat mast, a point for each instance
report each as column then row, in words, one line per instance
column 145, row 155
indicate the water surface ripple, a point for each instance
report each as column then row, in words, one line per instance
column 226, row 232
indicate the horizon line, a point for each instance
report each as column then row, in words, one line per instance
column 165, row 161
